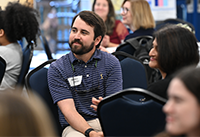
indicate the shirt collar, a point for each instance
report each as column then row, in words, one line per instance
column 95, row 56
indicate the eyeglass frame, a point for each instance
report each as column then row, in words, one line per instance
column 124, row 10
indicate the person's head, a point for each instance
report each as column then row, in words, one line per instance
column 18, row 21
column 24, row 116
column 105, row 9
column 127, row 17
column 174, row 47
column 87, row 31
column 137, row 14
column 53, row 10
column 183, row 106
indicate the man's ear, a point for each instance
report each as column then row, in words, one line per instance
column 97, row 40
column 1, row 32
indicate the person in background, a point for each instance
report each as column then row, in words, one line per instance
column 24, row 116
column 17, row 21
column 137, row 15
column 116, row 31
column 183, row 106
column 174, row 47
column 83, row 74
column 50, row 27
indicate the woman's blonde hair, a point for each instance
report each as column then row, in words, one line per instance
column 141, row 14
column 23, row 116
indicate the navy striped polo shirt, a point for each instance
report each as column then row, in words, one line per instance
column 69, row 78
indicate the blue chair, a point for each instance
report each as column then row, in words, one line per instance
column 122, row 116
column 36, row 81
column 27, row 57
column 133, row 74
column 2, row 68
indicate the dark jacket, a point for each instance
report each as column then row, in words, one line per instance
column 160, row 87
column 140, row 32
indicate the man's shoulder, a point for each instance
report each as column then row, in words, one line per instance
column 109, row 59
column 59, row 63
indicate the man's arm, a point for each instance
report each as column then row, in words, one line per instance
column 74, row 118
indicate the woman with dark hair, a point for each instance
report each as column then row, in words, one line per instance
column 174, row 47
column 183, row 106
column 16, row 22
column 116, row 31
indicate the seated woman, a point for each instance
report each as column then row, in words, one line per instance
column 183, row 106
column 138, row 17
column 174, row 47
column 16, row 22
column 116, row 31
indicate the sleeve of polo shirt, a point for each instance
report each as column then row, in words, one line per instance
column 114, row 80
column 58, row 87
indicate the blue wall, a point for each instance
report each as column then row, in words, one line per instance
column 190, row 15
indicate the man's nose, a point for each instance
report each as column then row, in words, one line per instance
column 77, row 35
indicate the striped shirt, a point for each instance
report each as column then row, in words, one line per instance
column 70, row 78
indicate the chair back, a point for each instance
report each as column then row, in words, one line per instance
column 121, row 116
column 36, row 81
column 46, row 47
column 133, row 74
column 2, row 68
column 27, row 57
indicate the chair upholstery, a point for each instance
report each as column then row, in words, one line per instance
column 46, row 47
column 2, row 68
column 121, row 116
column 27, row 57
column 36, row 81
column 133, row 74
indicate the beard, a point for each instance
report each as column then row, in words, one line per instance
column 80, row 50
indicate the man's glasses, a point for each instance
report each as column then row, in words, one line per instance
column 124, row 10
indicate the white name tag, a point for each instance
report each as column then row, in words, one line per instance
column 75, row 81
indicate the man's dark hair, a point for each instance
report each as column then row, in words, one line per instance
column 19, row 21
column 92, row 19
column 177, row 48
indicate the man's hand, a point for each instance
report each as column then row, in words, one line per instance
column 95, row 102
column 96, row 134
